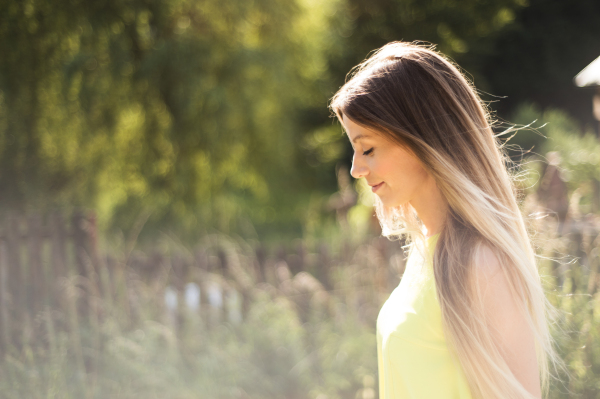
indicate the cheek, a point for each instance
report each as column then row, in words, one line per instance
column 390, row 170
column 418, row 171
column 406, row 168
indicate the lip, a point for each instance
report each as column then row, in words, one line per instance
column 376, row 187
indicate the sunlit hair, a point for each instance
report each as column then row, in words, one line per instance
column 416, row 97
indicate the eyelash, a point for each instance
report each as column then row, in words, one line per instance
column 368, row 152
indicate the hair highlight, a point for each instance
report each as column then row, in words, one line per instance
column 419, row 99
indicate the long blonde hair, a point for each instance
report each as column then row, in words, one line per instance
column 419, row 99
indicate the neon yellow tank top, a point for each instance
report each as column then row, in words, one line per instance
column 413, row 358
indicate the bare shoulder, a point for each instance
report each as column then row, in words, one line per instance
column 506, row 319
column 491, row 276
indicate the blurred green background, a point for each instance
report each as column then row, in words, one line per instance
column 198, row 132
column 212, row 115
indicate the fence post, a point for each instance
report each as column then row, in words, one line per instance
column 323, row 267
column 201, row 264
column 261, row 257
column 59, row 254
column 15, row 272
column 91, row 230
column 4, row 300
column 223, row 271
column 79, row 236
column 91, row 259
column 37, row 293
column 178, row 279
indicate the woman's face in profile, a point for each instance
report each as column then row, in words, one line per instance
column 393, row 173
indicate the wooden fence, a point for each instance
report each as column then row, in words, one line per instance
column 51, row 264
column 34, row 254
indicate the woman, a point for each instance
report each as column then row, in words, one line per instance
column 469, row 318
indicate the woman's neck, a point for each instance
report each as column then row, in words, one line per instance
column 431, row 207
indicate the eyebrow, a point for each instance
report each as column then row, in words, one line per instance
column 360, row 136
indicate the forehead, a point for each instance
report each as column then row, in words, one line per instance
column 357, row 132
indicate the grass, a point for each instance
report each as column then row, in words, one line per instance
column 297, row 339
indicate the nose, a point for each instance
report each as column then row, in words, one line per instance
column 359, row 169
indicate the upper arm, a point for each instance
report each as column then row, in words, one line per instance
column 506, row 321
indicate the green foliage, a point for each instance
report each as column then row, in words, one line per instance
column 213, row 115
column 131, row 346
column 572, row 287
column 182, row 109
column 554, row 131
column 462, row 30
column 266, row 357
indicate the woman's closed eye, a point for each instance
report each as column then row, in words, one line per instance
column 368, row 152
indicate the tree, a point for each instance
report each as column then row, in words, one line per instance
column 186, row 110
